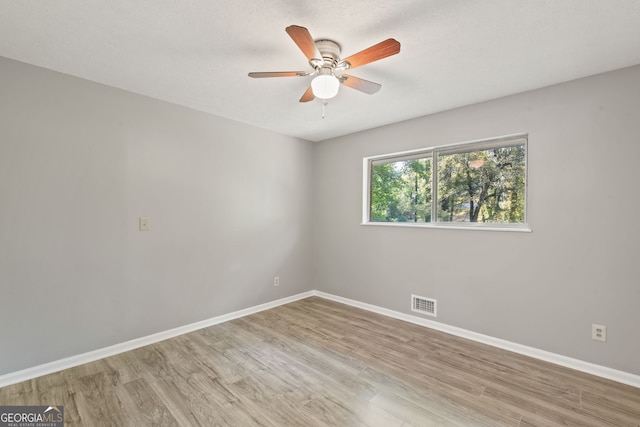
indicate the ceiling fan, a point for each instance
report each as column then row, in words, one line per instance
column 324, row 58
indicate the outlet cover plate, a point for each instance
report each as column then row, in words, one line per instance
column 599, row 332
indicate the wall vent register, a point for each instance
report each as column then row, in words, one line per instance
column 424, row 305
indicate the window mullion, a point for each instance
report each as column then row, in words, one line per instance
column 434, row 186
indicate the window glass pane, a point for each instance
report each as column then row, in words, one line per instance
column 401, row 191
column 482, row 186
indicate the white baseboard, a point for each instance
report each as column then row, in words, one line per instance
column 70, row 362
column 568, row 362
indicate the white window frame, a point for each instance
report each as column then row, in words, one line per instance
column 477, row 145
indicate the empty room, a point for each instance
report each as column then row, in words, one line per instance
column 318, row 213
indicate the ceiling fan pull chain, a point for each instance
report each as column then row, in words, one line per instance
column 324, row 104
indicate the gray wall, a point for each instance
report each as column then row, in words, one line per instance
column 229, row 207
column 542, row 289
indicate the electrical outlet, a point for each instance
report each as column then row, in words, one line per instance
column 599, row 332
column 276, row 281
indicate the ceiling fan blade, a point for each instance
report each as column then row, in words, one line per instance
column 360, row 84
column 278, row 74
column 308, row 95
column 381, row 50
column 303, row 39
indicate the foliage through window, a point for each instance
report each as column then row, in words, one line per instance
column 480, row 183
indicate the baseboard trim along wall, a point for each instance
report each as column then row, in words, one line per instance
column 70, row 362
column 568, row 362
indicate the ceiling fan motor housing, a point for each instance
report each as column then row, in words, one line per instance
column 330, row 52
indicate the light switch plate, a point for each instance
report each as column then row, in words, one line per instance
column 143, row 222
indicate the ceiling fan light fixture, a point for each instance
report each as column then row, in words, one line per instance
column 325, row 86
column 324, row 58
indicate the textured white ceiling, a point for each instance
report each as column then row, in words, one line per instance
column 197, row 53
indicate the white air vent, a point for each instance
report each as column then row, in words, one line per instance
column 424, row 305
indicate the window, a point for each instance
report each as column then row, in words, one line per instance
column 479, row 184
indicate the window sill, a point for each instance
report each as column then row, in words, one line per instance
column 513, row 228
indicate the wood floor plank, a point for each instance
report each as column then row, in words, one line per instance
column 620, row 409
column 144, row 405
column 543, row 412
column 330, row 410
column 374, row 416
column 443, row 400
column 410, row 412
column 196, row 403
column 316, row 362
column 534, row 384
column 177, row 403
column 277, row 408
column 102, row 403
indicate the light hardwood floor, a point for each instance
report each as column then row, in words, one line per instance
column 316, row 362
